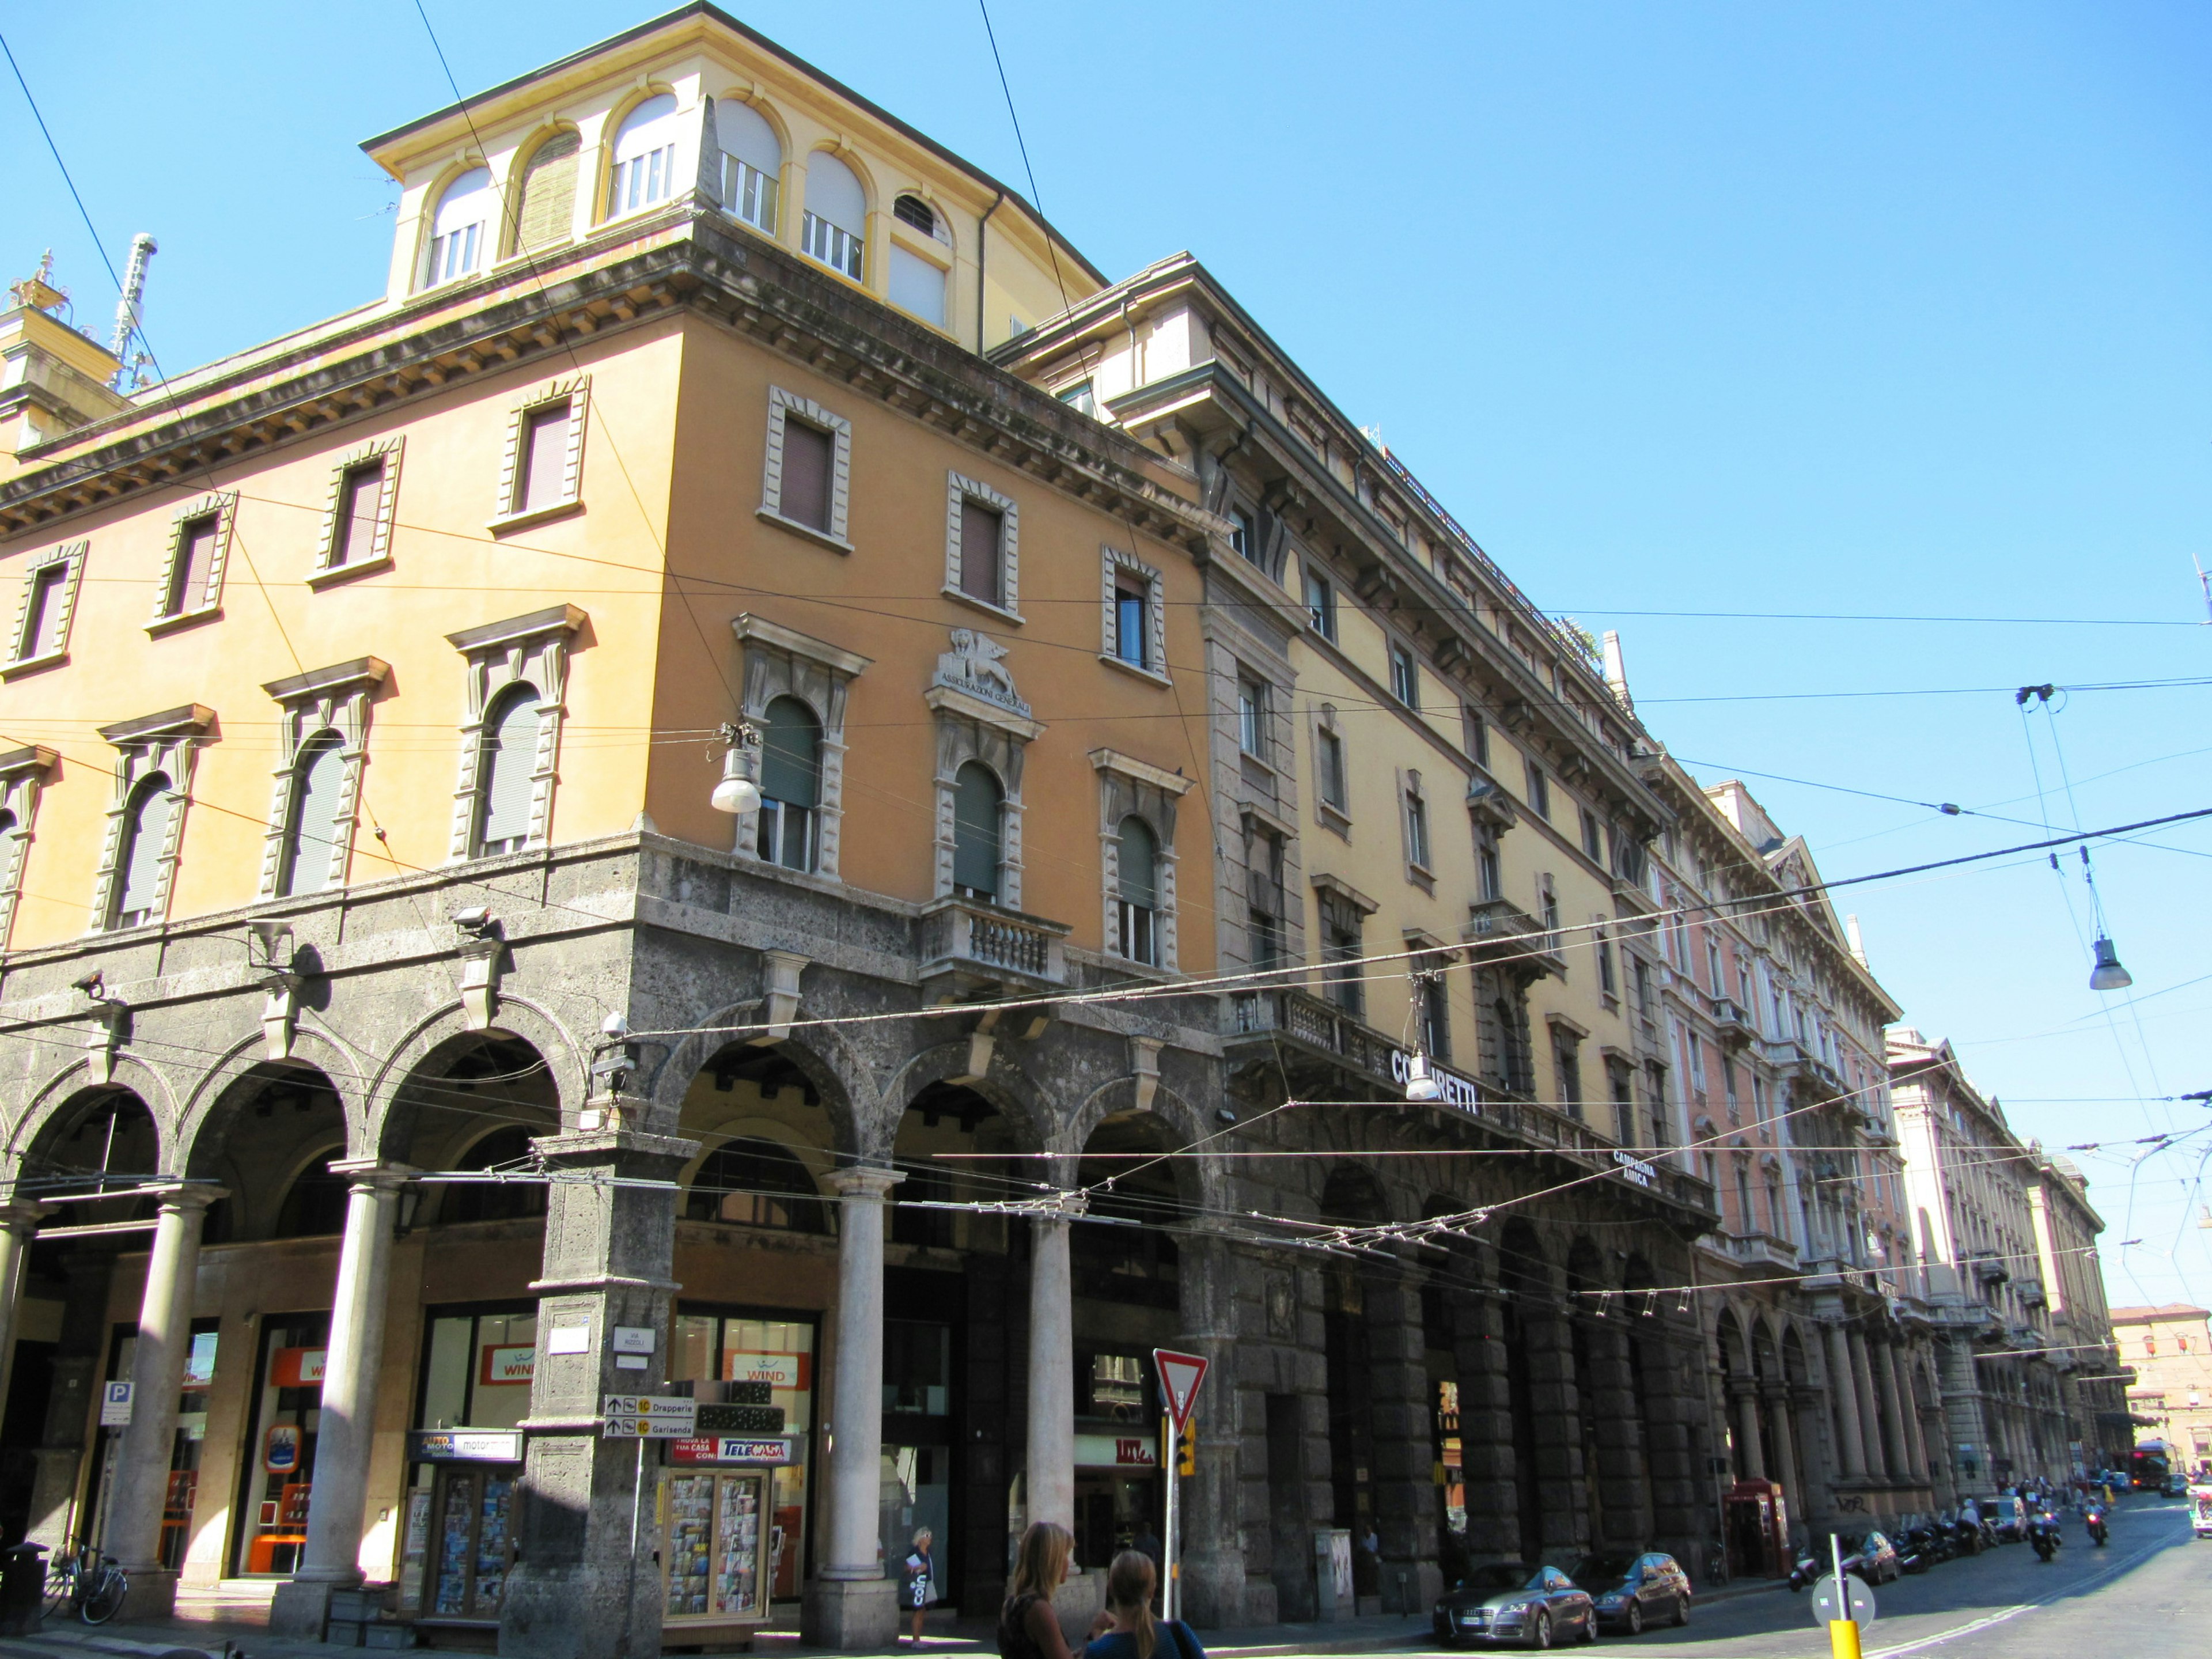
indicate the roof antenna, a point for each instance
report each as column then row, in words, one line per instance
column 129, row 308
column 2205, row 582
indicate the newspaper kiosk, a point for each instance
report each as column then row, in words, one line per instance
column 719, row 1544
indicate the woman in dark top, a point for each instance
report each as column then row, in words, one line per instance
column 1028, row 1627
column 1133, row 1635
column 920, row 1570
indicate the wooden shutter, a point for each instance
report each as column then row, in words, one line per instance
column 982, row 563
column 317, row 779
column 791, row 755
column 144, row 831
column 545, row 458
column 548, row 194
column 808, row 455
column 976, row 802
column 1138, row 856
column 510, row 757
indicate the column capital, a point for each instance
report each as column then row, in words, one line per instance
column 193, row 1195
column 869, row 1181
column 373, row 1174
column 20, row 1216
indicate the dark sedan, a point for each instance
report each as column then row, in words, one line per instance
column 1512, row 1601
column 1632, row 1591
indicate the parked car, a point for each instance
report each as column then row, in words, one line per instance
column 1632, row 1591
column 1869, row 1555
column 1513, row 1602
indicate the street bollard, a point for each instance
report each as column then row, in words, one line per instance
column 1843, row 1639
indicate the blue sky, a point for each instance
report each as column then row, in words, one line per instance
column 1867, row 309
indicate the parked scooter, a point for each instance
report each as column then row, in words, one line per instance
column 1917, row 1549
column 1966, row 1536
column 2094, row 1516
column 2043, row 1533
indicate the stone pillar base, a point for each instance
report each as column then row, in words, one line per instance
column 1080, row 1599
column 301, row 1608
column 1424, row 1582
column 152, row 1595
column 850, row 1615
column 1214, row 1591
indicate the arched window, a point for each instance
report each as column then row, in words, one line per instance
column 836, row 227
column 644, row 156
column 752, row 161
column 311, row 821
column 461, row 228
column 756, row 1183
column 316, row 1205
column 138, row 859
column 916, row 283
column 494, row 1201
column 504, row 774
column 547, row 209
column 790, row 784
column 1137, row 907
column 977, row 808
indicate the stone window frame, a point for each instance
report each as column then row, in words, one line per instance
column 782, row 662
column 1412, row 801
column 781, row 404
column 1113, row 563
column 24, row 774
column 222, row 506
column 72, row 556
column 1562, row 1030
column 379, row 557
column 1333, row 815
column 577, row 391
column 1341, row 907
column 970, row 729
column 531, row 650
column 959, row 488
column 169, row 743
column 1129, row 787
column 334, row 699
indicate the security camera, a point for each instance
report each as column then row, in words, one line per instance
column 92, row 984
column 616, row 1026
column 269, row 933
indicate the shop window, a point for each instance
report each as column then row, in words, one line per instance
column 917, row 1368
column 284, row 1411
column 747, row 1182
column 1117, row 1387
column 705, row 1536
column 458, row 1542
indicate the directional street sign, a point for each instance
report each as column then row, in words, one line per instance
column 1180, row 1375
column 1826, row 1608
column 648, row 1417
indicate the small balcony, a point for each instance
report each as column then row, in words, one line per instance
column 1305, row 1018
column 1501, row 933
column 974, row 949
column 1733, row 1021
column 1990, row 1270
column 1762, row 1250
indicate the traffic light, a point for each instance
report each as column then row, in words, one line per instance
column 1187, row 1450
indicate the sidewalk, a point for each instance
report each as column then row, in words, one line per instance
column 218, row 1624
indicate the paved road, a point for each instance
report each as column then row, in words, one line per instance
column 2148, row 1595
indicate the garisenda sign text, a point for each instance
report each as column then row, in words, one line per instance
column 1635, row 1170
column 1452, row 1089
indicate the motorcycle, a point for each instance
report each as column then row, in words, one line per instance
column 1917, row 1549
column 2095, row 1517
column 2043, row 1533
column 1966, row 1537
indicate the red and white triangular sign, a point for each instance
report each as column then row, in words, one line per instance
column 1180, row 1375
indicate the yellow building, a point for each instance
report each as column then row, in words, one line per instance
column 2169, row 1348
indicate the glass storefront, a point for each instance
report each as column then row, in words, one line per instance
column 279, row 1456
column 916, row 1486
column 716, row 1347
column 465, row 1455
column 183, row 1495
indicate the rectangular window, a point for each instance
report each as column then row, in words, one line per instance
column 41, row 611
column 1079, row 397
column 1252, row 717
column 1417, row 831
column 1547, row 905
column 982, row 551
column 837, row 248
column 1330, row 747
column 1405, row 675
column 1488, row 877
column 542, row 469
column 195, row 564
column 1712, row 965
column 1435, row 1016
column 1244, row 534
column 361, row 503
column 1263, row 854
column 1622, row 1088
column 1131, row 633
column 1540, row 790
column 1567, row 1066
column 749, row 194
column 1593, row 837
column 809, row 466
column 1321, row 603
column 1340, row 952
column 1605, row 981
column 1474, row 734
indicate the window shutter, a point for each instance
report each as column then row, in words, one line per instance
column 510, row 757
column 982, row 552
column 1139, row 864
column 320, row 776
column 917, row 286
column 808, row 452
column 791, row 755
column 545, row 458
column 145, row 830
column 549, row 194
column 976, row 802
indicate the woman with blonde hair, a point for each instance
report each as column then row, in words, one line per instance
column 1133, row 1634
column 1028, row 1627
column 921, row 1572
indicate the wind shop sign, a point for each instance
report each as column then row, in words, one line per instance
column 1460, row 1093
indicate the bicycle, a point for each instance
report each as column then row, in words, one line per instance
column 87, row 1583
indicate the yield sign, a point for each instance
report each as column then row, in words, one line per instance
column 1180, row 1375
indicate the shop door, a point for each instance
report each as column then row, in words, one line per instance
column 473, row 1537
column 279, row 1456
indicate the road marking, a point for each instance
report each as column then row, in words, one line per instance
column 2117, row 1565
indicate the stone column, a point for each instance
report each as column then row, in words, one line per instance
column 141, row 1487
column 336, row 1514
column 1843, row 1389
column 1626, row 1520
column 17, row 1222
column 1750, row 1452
column 587, row 1578
column 851, row 1605
column 1877, row 1464
column 1783, row 1466
column 1681, row 1498
column 1486, row 1451
column 1557, row 1392
column 1909, row 1462
column 1405, row 1447
column 1049, row 1478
